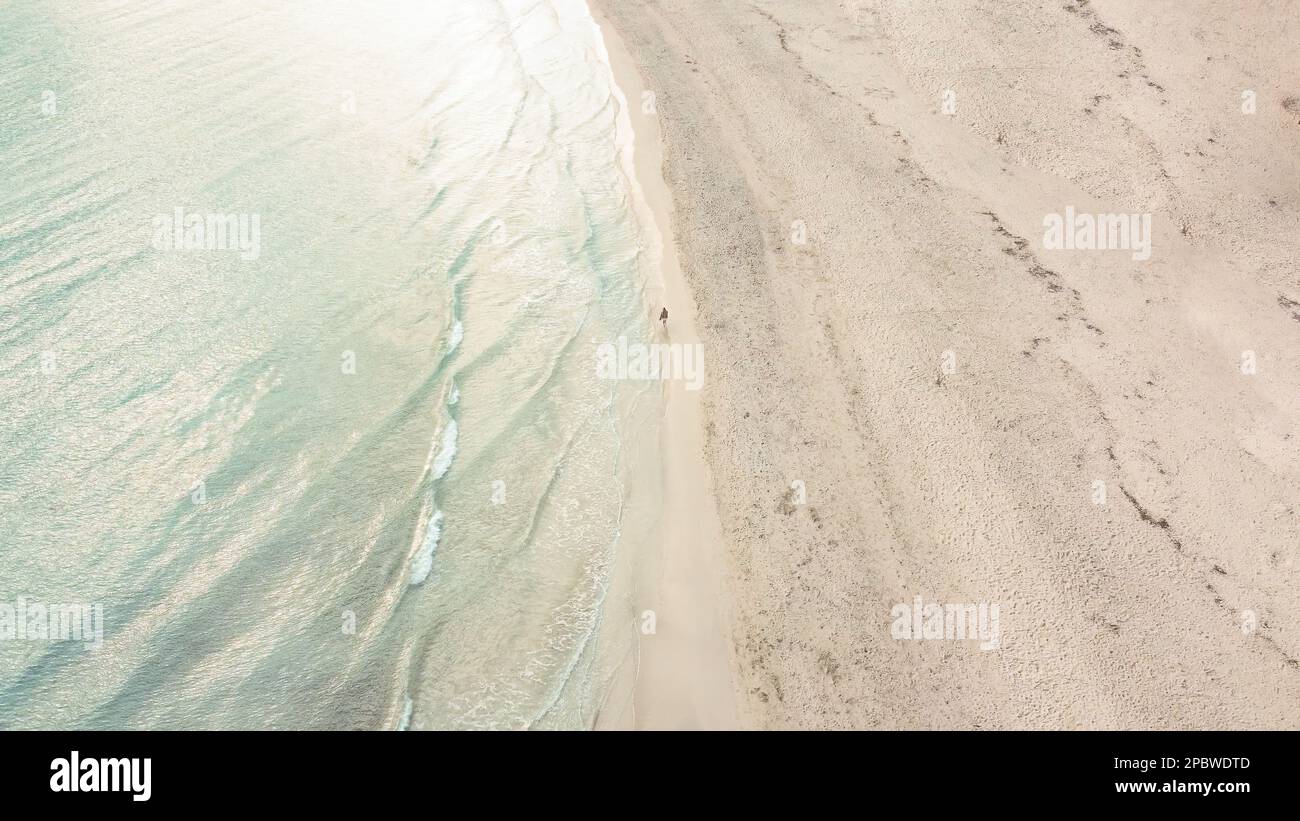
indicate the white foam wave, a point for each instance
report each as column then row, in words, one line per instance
column 422, row 562
column 442, row 462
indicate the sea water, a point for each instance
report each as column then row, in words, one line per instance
column 298, row 320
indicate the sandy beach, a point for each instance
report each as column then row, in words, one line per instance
column 682, row 679
column 915, row 396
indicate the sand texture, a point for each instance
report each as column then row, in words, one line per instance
column 909, row 394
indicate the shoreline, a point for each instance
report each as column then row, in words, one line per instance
column 684, row 676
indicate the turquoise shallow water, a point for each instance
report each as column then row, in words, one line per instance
column 355, row 470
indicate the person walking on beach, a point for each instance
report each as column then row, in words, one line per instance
column 663, row 317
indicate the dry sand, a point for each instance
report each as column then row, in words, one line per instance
column 1174, row 603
